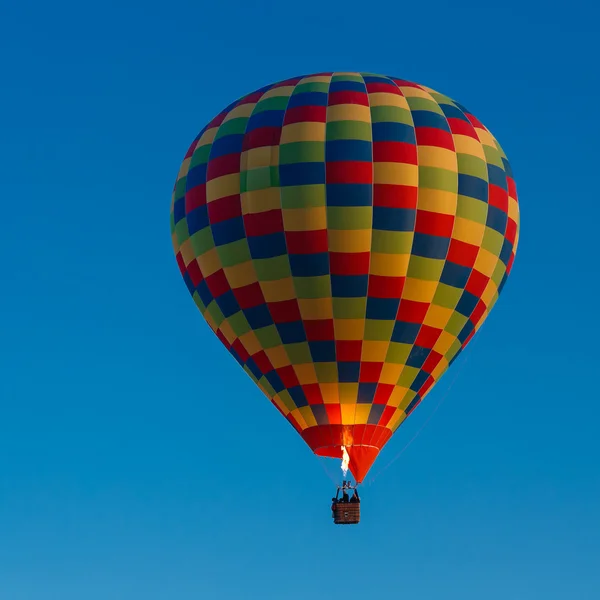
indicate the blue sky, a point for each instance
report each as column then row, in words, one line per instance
column 115, row 482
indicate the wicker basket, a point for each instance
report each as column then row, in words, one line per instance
column 346, row 513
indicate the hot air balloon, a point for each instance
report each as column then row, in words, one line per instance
column 345, row 235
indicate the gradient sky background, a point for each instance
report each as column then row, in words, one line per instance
column 127, row 432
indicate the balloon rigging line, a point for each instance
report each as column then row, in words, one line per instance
column 322, row 462
column 416, row 435
column 322, row 459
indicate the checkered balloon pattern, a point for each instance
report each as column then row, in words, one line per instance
column 345, row 235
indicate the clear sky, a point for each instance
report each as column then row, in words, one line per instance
column 128, row 435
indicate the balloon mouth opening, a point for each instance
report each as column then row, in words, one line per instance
column 361, row 444
column 357, row 459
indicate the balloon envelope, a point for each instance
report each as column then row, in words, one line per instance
column 345, row 235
